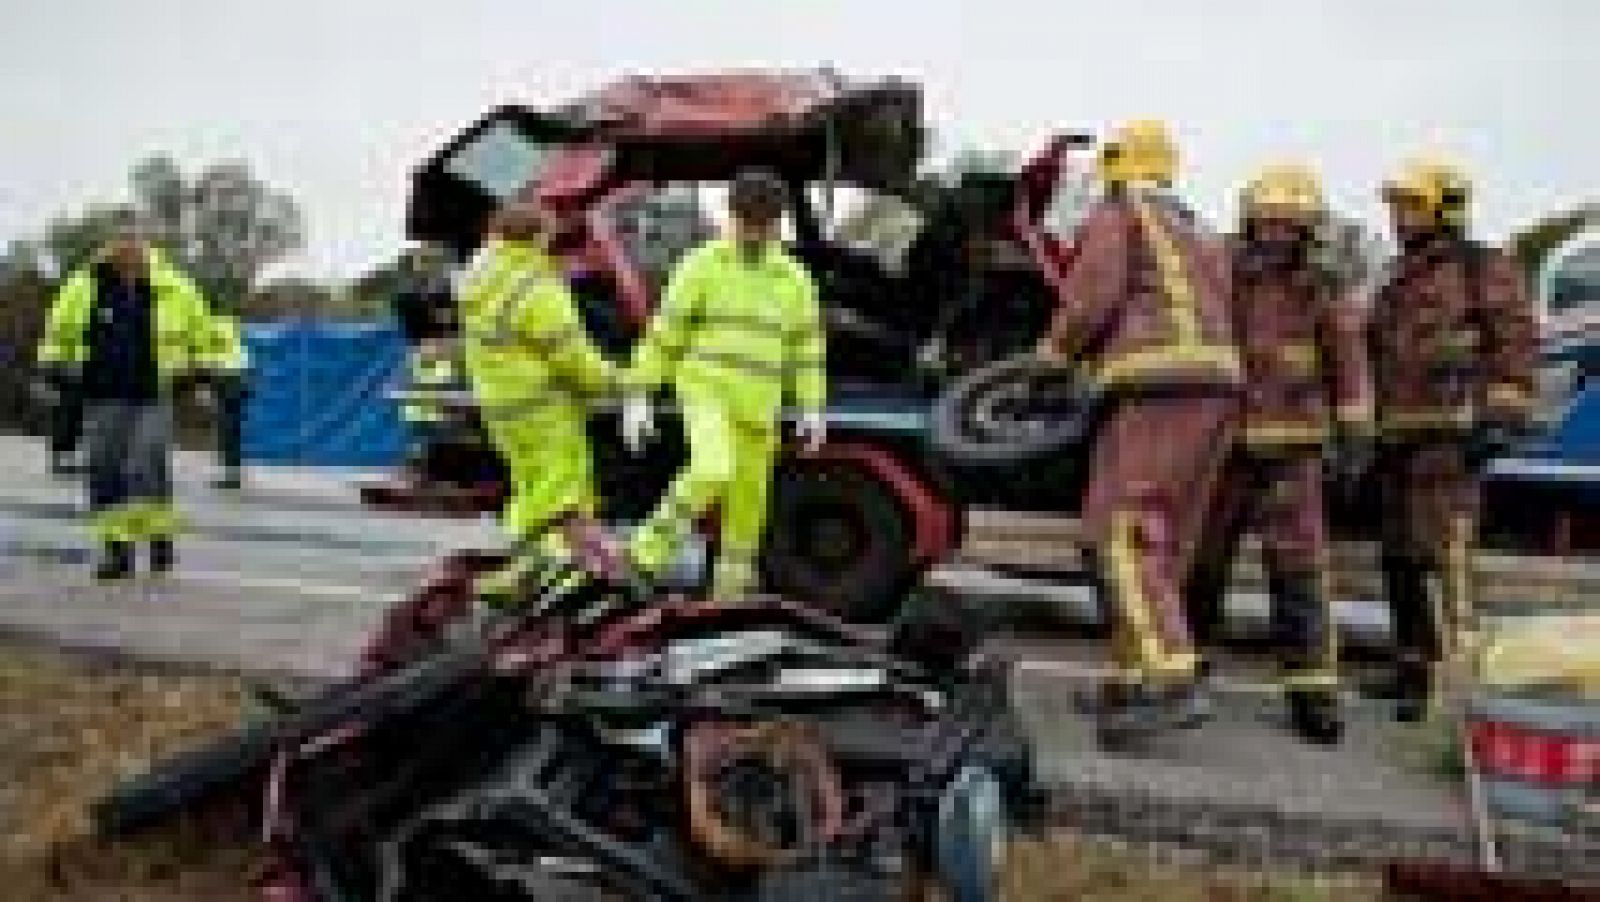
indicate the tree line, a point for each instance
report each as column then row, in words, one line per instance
column 220, row 222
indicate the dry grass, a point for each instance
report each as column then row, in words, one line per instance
column 70, row 729
column 1064, row 869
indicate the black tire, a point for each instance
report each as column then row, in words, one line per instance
column 840, row 539
column 189, row 781
column 1013, row 412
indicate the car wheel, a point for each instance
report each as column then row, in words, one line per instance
column 970, row 836
column 840, row 539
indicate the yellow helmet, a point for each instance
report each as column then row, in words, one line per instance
column 1290, row 190
column 1438, row 185
column 1142, row 150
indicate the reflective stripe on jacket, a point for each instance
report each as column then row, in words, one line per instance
column 1452, row 335
column 524, row 341
column 224, row 346
column 744, row 334
column 1304, row 351
column 1145, row 302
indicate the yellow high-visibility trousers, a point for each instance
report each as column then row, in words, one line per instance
column 550, row 476
column 730, row 467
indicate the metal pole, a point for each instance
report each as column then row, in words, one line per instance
column 1459, row 683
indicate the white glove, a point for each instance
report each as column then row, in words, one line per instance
column 638, row 423
column 45, row 393
column 813, row 430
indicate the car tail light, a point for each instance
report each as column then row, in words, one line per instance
column 1515, row 752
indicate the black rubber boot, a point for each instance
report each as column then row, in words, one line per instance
column 1302, row 627
column 163, row 555
column 1413, row 684
column 116, row 561
column 1205, row 601
column 1188, row 705
column 1315, row 715
column 1130, row 712
column 1416, row 637
column 1405, row 585
column 1125, row 714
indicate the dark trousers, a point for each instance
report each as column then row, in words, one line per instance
column 1430, row 497
column 1280, row 497
column 130, row 447
column 66, row 420
column 232, row 392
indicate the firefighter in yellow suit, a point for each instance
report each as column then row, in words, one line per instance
column 739, row 333
column 536, row 375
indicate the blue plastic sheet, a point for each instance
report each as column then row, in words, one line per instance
column 320, row 394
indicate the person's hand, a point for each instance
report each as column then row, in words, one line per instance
column 1048, row 351
column 638, row 423
column 1497, row 437
column 813, row 430
column 204, row 396
column 45, row 391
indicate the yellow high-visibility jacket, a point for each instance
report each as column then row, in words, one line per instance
column 525, row 345
column 224, row 350
column 188, row 336
column 741, row 334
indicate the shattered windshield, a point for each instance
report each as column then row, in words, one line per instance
column 499, row 161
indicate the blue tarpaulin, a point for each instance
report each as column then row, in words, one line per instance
column 320, row 394
column 1576, row 439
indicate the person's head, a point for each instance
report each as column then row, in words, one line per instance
column 1427, row 200
column 128, row 248
column 427, row 259
column 755, row 207
column 522, row 222
column 1282, row 206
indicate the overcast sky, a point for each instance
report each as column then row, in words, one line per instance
column 333, row 100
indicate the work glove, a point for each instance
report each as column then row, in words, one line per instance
column 638, row 424
column 813, row 430
column 1496, row 437
column 50, row 382
column 1048, row 350
column 46, row 392
column 204, row 396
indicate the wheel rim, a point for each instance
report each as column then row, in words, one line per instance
column 971, row 836
column 833, row 537
column 1020, row 408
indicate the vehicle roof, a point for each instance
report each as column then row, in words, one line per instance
column 808, row 124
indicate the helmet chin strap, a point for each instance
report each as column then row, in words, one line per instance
column 1438, row 237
